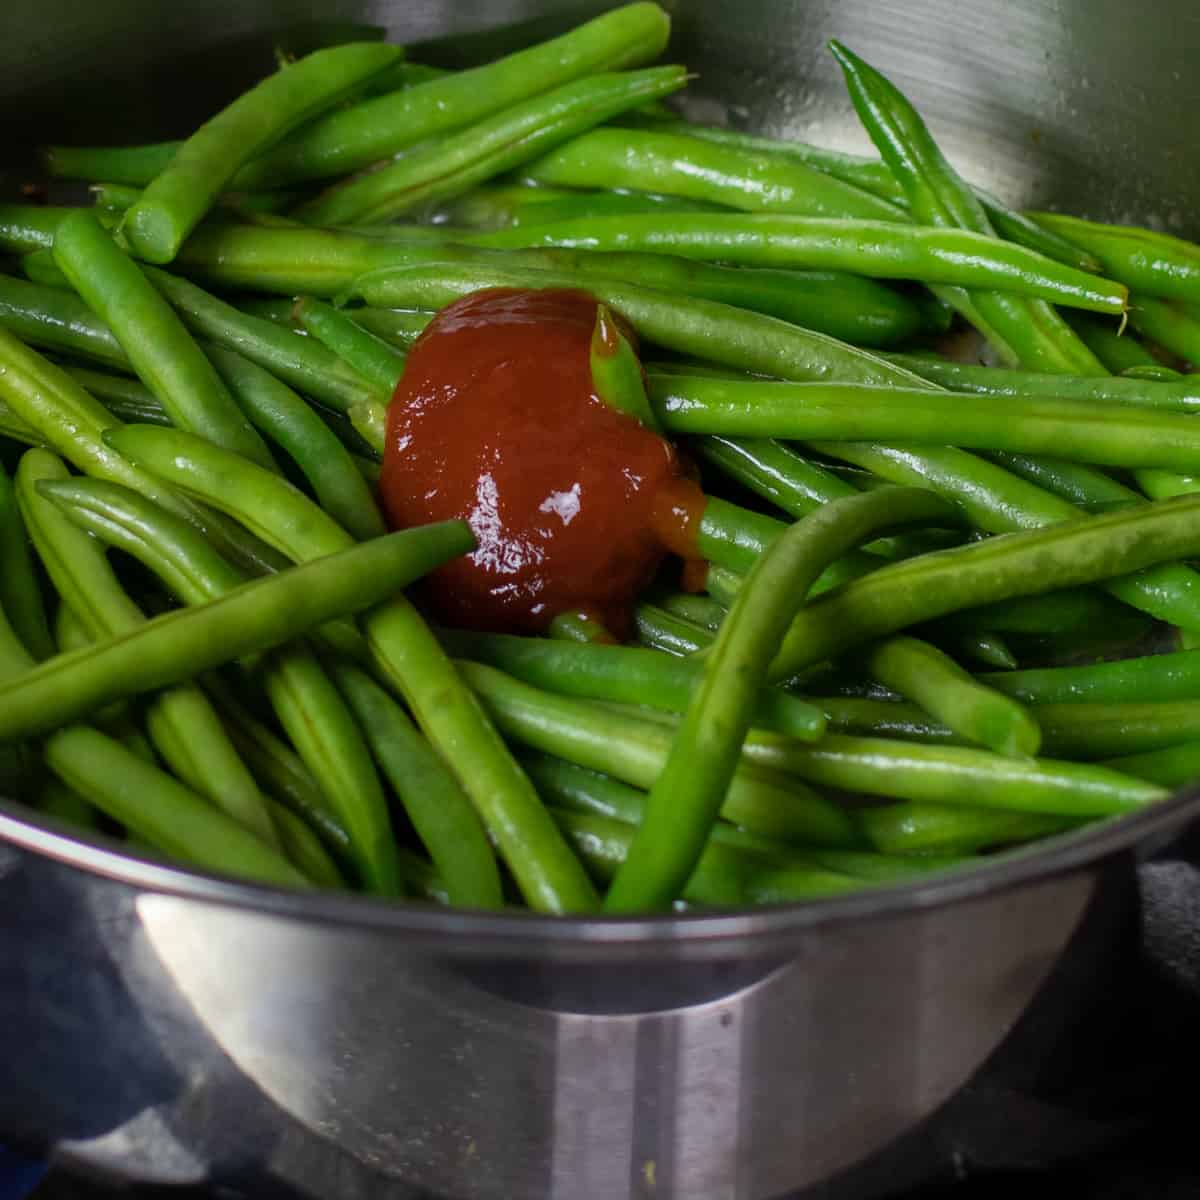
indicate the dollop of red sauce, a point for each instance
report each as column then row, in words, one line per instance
column 496, row 422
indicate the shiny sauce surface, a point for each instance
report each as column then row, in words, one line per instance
column 496, row 422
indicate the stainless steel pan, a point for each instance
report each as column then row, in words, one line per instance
column 162, row 1026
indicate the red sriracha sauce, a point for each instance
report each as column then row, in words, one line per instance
column 496, row 422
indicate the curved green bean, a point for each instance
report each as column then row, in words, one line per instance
column 687, row 795
column 178, row 197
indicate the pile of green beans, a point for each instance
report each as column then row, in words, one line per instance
column 879, row 661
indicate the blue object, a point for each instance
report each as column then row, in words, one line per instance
column 18, row 1175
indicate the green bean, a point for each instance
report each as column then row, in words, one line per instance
column 880, row 249
column 1154, row 677
column 667, row 632
column 917, row 828
column 131, row 165
column 405, row 651
column 55, row 799
column 701, row 610
column 687, row 795
column 177, row 198
column 154, row 806
column 399, row 329
column 1172, row 324
column 126, row 398
column 158, row 345
column 1170, row 767
column 633, row 751
column 376, row 361
column 1073, row 610
column 20, row 592
column 1115, row 435
column 56, row 320
column 1117, row 349
column 118, row 197
column 1026, row 331
column 579, row 627
column 627, row 674
column 948, row 774
column 256, row 616
column 616, row 371
column 303, row 848
column 279, row 414
column 997, row 501
column 1093, row 730
column 1183, row 396
column 303, row 363
column 27, row 227
column 440, row 811
column 1039, row 560
column 182, row 724
column 304, row 699
column 723, row 876
column 1155, row 264
column 501, row 142
column 702, row 328
column 680, row 165
column 874, row 176
column 941, row 687
column 1091, row 490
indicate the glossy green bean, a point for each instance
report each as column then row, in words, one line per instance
column 701, row 610
column 283, row 417
column 303, row 363
column 163, row 353
column 20, row 591
column 873, row 176
column 256, row 616
column 880, row 249
column 440, row 812
column 53, row 319
column 686, row 797
column 1112, row 345
column 374, row 359
column 1153, row 677
column 1183, row 396
column 128, row 400
column 399, row 329
column 579, row 627
column 1028, row 332
column 940, row 686
column 501, row 142
column 918, row 828
column 28, row 227
column 633, row 750
column 404, row 650
column 1149, row 262
column 1172, row 324
column 1115, row 435
column 1077, row 552
column 177, row 198
column 680, row 165
column 627, row 674
column 668, row 632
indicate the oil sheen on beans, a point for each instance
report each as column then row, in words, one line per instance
column 496, row 422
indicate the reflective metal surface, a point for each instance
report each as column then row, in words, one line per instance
column 167, row 1027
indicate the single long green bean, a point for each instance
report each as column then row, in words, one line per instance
column 28, row 227
column 20, row 592
column 376, row 361
column 880, row 249
column 281, row 415
column 53, row 319
column 634, row 750
column 175, row 200
column 702, row 610
column 668, row 632
column 1040, row 560
column 163, row 353
column 626, row 674
column 256, row 616
column 508, row 139
column 1172, row 324
column 1111, row 343
column 1171, row 767
column 441, row 813
column 1153, row 677
column 1183, row 396
column 940, row 686
column 680, row 165
column 686, row 797
column 1115, row 435
column 918, row 828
